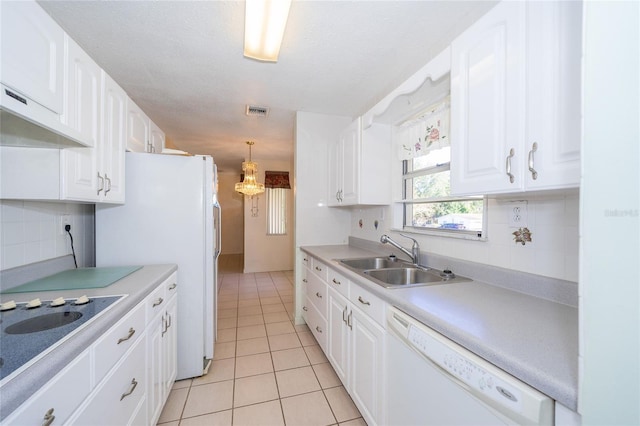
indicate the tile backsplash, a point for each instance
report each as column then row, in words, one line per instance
column 552, row 220
column 30, row 232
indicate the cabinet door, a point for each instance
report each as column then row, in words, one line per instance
column 118, row 398
column 155, row 371
column 156, row 144
column 137, row 128
column 170, row 347
column 487, row 103
column 338, row 344
column 32, row 53
column 350, row 148
column 367, row 367
column 336, row 162
column 554, row 54
column 114, row 139
column 80, row 166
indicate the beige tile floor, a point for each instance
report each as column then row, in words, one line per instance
column 266, row 370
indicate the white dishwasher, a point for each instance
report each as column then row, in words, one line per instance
column 434, row 381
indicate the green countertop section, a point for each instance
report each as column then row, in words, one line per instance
column 73, row 279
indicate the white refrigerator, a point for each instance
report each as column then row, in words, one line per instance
column 170, row 216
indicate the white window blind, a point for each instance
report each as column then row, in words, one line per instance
column 276, row 211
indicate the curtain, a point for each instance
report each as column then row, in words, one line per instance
column 426, row 132
column 276, row 180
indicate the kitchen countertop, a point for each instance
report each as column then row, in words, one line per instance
column 533, row 339
column 135, row 286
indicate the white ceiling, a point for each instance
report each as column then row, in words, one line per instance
column 182, row 63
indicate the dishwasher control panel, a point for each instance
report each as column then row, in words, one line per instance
column 465, row 368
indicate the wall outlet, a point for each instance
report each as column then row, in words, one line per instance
column 518, row 214
column 65, row 220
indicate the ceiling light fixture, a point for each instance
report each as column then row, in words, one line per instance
column 264, row 24
column 249, row 185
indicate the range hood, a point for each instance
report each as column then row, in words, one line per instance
column 26, row 123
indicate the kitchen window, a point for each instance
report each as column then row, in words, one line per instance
column 277, row 190
column 428, row 206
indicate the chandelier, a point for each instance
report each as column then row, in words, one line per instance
column 249, row 186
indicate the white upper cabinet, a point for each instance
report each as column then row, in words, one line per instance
column 96, row 107
column 359, row 172
column 143, row 135
column 114, row 139
column 554, row 55
column 32, row 65
column 156, row 138
column 137, row 128
column 32, row 54
column 83, row 100
column 515, row 100
column 487, row 102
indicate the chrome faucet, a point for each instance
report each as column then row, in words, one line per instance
column 414, row 254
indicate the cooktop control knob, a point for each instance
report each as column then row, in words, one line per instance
column 7, row 306
column 35, row 303
column 82, row 300
column 58, row 302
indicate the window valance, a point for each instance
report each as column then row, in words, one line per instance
column 426, row 132
column 276, row 180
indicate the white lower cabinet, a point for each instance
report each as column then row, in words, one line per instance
column 58, row 398
column 123, row 378
column 356, row 351
column 119, row 397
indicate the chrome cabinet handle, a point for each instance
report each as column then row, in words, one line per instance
column 304, row 308
column 172, row 286
column 101, row 187
column 318, row 294
column 134, row 383
column 304, row 280
column 132, row 331
column 364, row 302
column 108, row 184
column 337, row 195
column 344, row 314
column 534, row 148
column 164, row 326
column 157, row 302
column 318, row 268
column 318, row 329
column 508, row 165
column 48, row 417
column 336, row 282
column 349, row 323
column 305, row 259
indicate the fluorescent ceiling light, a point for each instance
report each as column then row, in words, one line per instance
column 264, row 23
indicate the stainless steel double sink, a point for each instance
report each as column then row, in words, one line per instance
column 392, row 273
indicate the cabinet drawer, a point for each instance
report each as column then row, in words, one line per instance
column 338, row 282
column 317, row 294
column 120, row 338
column 317, row 324
column 319, row 269
column 171, row 285
column 369, row 303
column 156, row 301
column 306, row 260
column 63, row 394
column 117, row 399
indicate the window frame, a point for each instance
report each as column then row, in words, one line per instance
column 407, row 201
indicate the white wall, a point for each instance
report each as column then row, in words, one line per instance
column 30, row 232
column 610, row 219
column 264, row 252
column 232, row 213
column 552, row 219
